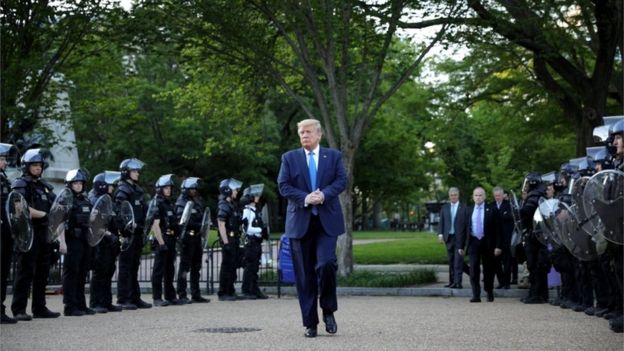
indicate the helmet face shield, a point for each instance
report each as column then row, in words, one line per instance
column 35, row 156
column 165, row 180
column 76, row 175
column 234, row 184
column 190, row 183
column 111, row 177
column 254, row 190
column 549, row 178
column 131, row 164
column 9, row 152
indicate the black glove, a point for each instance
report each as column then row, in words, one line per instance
column 162, row 248
column 265, row 233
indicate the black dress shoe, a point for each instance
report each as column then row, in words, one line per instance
column 73, row 312
column 46, row 314
column 490, row 296
column 128, row 306
column 184, row 301
column 310, row 332
column 100, row 309
column 114, row 308
column 500, row 286
column 23, row 316
column 261, row 296
column 330, row 323
column 456, row 286
column 475, row 299
column 506, row 287
column 142, row 304
column 229, row 298
column 199, row 299
column 449, row 285
column 161, row 303
column 7, row 320
column 89, row 311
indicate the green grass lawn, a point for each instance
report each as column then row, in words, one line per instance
column 410, row 247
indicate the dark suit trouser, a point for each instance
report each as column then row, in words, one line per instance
column 33, row 267
column 538, row 265
column 7, row 256
column 128, row 290
column 503, row 267
column 253, row 253
column 190, row 261
column 75, row 268
column 164, row 269
column 314, row 261
column 451, row 252
column 479, row 254
column 105, row 256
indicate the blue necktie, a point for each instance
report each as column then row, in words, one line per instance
column 453, row 212
column 479, row 224
column 312, row 170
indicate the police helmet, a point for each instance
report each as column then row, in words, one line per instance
column 102, row 180
column 190, row 183
column 9, row 152
column 130, row 164
column 34, row 156
column 600, row 155
column 227, row 186
column 76, row 175
column 531, row 181
column 165, row 180
column 549, row 178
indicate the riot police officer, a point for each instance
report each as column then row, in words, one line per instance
column 128, row 290
column 616, row 148
column 8, row 154
column 33, row 266
column 106, row 251
column 229, row 225
column 74, row 245
column 254, row 230
column 189, row 211
column 536, row 252
column 165, row 231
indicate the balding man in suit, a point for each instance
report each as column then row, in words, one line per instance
column 453, row 225
column 482, row 243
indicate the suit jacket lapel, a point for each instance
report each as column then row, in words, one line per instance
column 320, row 166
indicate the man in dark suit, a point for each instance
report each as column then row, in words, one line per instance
column 504, row 261
column 481, row 241
column 453, row 225
column 311, row 178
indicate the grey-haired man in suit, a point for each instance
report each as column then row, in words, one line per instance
column 452, row 225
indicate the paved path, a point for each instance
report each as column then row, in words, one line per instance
column 364, row 323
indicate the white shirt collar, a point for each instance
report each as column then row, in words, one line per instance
column 316, row 150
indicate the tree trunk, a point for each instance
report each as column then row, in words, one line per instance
column 377, row 214
column 344, row 250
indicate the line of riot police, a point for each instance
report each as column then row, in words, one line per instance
column 114, row 222
column 573, row 220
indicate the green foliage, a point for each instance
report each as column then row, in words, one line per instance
column 423, row 248
column 387, row 280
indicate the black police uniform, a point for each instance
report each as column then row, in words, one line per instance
column 76, row 262
column 191, row 249
column 229, row 213
column 6, row 243
column 128, row 290
column 164, row 261
column 536, row 253
column 104, row 255
column 253, row 228
column 33, row 266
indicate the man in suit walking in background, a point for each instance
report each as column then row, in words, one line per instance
column 311, row 178
column 482, row 242
column 453, row 225
column 505, row 261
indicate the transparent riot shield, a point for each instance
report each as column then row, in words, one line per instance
column 59, row 212
column 574, row 238
column 127, row 217
column 603, row 197
column 19, row 221
column 204, row 230
column 152, row 210
column 99, row 219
